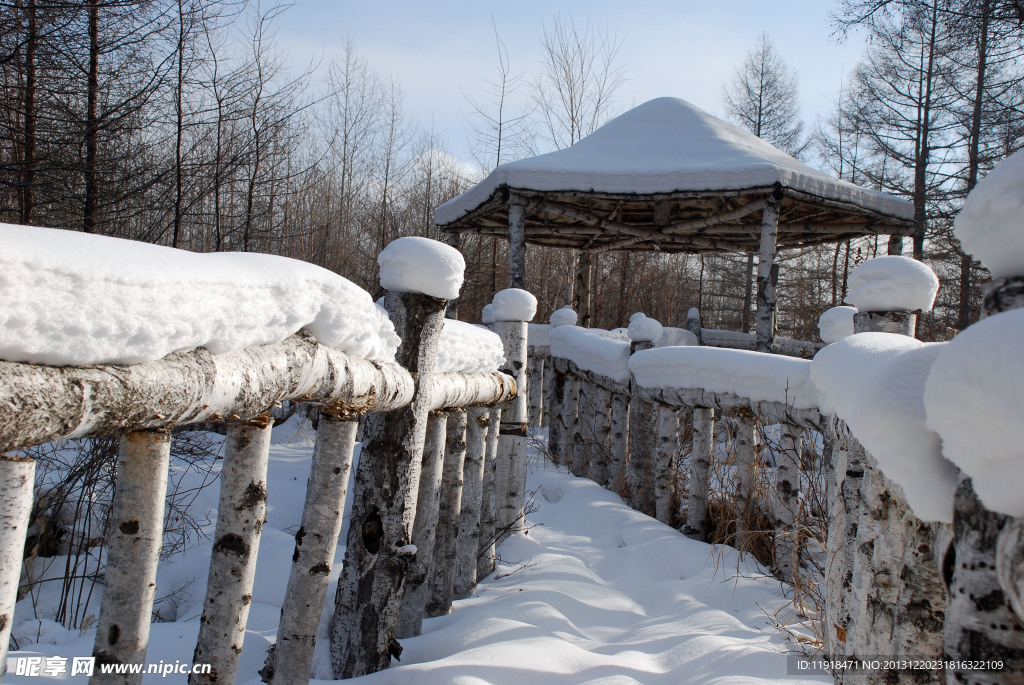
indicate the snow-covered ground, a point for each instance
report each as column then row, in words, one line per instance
column 593, row 592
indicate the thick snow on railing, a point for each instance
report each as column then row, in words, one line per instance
column 148, row 338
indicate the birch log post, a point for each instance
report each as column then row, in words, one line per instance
column 600, row 436
column 516, row 242
column 133, row 549
column 619, row 457
column 17, row 483
column 700, row 467
column 666, row 458
column 745, row 449
column 379, row 548
column 836, row 581
column 787, row 506
column 442, row 569
column 584, row 445
column 553, row 400
column 424, row 532
column 899, row 603
column 981, row 624
column 536, row 383
column 767, row 273
column 487, row 555
column 468, row 540
column 316, row 544
column 643, row 429
column 514, row 308
column 569, row 417
column 241, row 510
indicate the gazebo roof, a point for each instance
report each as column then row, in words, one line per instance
column 669, row 176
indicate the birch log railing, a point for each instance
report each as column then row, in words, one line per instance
column 143, row 402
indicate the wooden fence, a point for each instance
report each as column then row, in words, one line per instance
column 425, row 431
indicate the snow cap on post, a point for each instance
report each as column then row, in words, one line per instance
column 836, row 323
column 892, row 284
column 974, row 399
column 487, row 314
column 421, row 265
column 514, row 304
column 693, row 313
column 989, row 225
column 644, row 328
column 563, row 317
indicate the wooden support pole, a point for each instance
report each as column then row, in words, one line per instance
column 468, row 540
column 535, row 380
column 569, row 419
column 241, row 511
column 836, row 438
column 379, row 548
column 767, row 275
column 700, row 467
column 517, row 242
column 133, row 550
column 582, row 444
column 17, row 483
column 599, row 434
column 442, row 570
column 746, row 479
column 553, row 399
column 488, row 503
column 643, row 429
column 665, row 463
column 511, row 465
column 424, row 532
column 316, row 543
column 582, row 290
column 786, row 564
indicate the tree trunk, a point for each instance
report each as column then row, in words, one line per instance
column 472, row 497
column 643, row 431
column 512, row 443
column 748, row 292
column 379, row 551
column 569, row 418
column 767, row 277
column 92, row 123
column 17, row 483
column 599, row 432
column 516, row 243
column 236, row 542
column 745, row 449
column 787, row 505
column 553, row 401
column 619, row 457
column 29, row 163
column 582, row 446
column 488, row 505
column 316, row 543
column 835, row 571
column 536, row 382
column 136, row 535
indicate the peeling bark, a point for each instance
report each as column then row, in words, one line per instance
column 17, row 481
column 241, row 511
column 468, row 540
column 488, row 506
column 315, row 544
column 134, row 541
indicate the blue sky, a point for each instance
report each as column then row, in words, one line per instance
column 684, row 48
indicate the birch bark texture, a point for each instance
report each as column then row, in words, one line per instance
column 133, row 550
column 379, row 547
column 17, row 484
column 745, row 449
column 767, row 274
column 468, row 540
column 442, row 568
column 666, row 459
column 700, row 467
column 488, row 505
column 316, row 542
column 643, row 430
column 787, row 505
column 511, row 464
column 240, row 513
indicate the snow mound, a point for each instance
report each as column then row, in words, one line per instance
column 876, row 383
column 592, row 350
column 676, row 337
column 759, row 377
column 836, row 323
column 487, row 314
column 72, row 298
column 989, row 225
column 421, row 265
column 564, row 317
column 514, row 304
column 892, row 284
column 468, row 348
column 975, row 400
column 643, row 328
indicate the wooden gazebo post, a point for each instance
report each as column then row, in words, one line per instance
column 767, row 273
column 516, row 242
column 581, row 298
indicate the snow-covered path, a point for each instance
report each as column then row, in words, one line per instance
column 594, row 592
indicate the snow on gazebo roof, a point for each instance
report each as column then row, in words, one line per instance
column 667, row 175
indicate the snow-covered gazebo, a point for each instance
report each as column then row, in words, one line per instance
column 668, row 176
